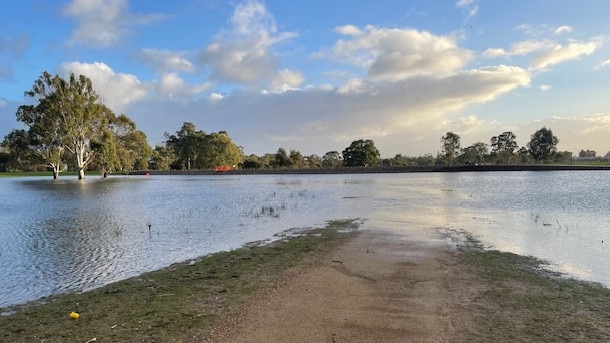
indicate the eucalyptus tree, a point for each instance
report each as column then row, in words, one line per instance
column 361, row 153
column 188, row 143
column 21, row 153
column 282, row 159
column 504, row 146
column 474, row 154
column 450, row 147
column 543, row 145
column 122, row 147
column 67, row 118
column 219, row 150
column 332, row 159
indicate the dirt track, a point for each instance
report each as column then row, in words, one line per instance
column 378, row 287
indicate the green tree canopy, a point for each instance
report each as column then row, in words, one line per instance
column 196, row 149
column 450, row 147
column 67, row 118
column 332, row 159
column 504, row 146
column 361, row 153
column 543, row 145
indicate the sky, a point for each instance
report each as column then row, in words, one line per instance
column 315, row 75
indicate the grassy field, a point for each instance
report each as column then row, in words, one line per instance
column 519, row 301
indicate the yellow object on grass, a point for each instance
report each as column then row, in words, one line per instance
column 74, row 315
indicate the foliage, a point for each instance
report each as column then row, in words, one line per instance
column 361, row 153
column 195, row 149
column 543, row 145
column 450, row 146
column 587, row 153
column 332, row 159
column 67, row 118
column 69, row 121
column 504, row 146
column 474, row 154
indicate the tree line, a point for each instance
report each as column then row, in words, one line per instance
column 69, row 128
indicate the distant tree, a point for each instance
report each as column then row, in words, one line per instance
column 5, row 161
column 131, row 144
column 23, row 155
column 474, row 154
column 332, row 159
column 426, row 160
column 282, row 160
column 162, row 158
column 187, row 144
column 313, row 161
column 543, row 145
column 219, row 150
column 397, row 161
column 563, row 157
column 297, row 160
column 67, row 118
column 450, row 147
column 523, row 155
column 504, row 146
column 587, row 153
column 361, row 153
column 107, row 156
column 252, row 162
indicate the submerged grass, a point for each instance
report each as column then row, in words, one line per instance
column 172, row 304
column 519, row 301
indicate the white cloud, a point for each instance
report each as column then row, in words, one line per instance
column 166, row 60
column 464, row 3
column 471, row 7
column 495, row 52
column 286, row 80
column 545, row 88
column 560, row 53
column 243, row 54
column 117, row 90
column 353, row 86
column 529, row 46
column 603, row 64
column 348, row 30
column 103, row 23
column 563, row 29
column 320, row 119
column 172, row 87
column 396, row 54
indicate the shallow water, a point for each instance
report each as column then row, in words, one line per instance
column 69, row 235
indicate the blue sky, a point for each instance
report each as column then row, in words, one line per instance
column 314, row 76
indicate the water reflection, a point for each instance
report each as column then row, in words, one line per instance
column 66, row 235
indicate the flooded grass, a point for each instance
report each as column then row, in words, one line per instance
column 172, row 304
column 510, row 298
column 519, row 301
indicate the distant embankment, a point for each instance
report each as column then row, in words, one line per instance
column 362, row 170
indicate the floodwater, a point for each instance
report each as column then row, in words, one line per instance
column 70, row 235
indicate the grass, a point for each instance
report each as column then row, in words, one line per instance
column 509, row 298
column 172, row 304
column 519, row 301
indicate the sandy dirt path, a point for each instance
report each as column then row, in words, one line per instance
column 378, row 287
